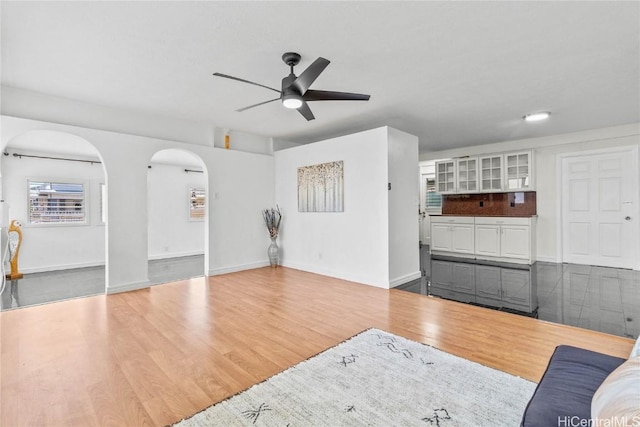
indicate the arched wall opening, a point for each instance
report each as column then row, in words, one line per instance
column 177, row 198
column 54, row 184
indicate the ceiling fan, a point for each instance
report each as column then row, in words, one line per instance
column 295, row 92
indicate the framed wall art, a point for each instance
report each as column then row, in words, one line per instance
column 321, row 187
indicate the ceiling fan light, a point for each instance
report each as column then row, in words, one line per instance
column 292, row 101
column 536, row 117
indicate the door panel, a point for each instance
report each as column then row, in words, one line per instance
column 488, row 240
column 514, row 241
column 610, row 237
column 441, row 237
column 600, row 209
column 463, row 238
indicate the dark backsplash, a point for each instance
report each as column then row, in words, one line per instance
column 521, row 203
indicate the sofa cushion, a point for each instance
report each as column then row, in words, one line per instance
column 635, row 351
column 564, row 393
column 617, row 400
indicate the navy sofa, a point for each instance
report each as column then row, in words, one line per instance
column 563, row 396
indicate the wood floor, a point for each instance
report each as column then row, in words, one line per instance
column 155, row 356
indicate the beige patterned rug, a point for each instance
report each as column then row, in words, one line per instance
column 377, row 379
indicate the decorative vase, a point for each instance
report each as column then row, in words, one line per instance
column 273, row 252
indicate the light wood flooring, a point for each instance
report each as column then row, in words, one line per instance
column 155, row 356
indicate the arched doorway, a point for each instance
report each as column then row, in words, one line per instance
column 176, row 206
column 53, row 183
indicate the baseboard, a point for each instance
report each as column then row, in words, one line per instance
column 126, row 287
column 61, row 267
column 166, row 255
column 337, row 274
column 404, row 279
column 547, row 259
column 236, row 268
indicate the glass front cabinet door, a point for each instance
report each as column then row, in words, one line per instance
column 491, row 173
column 518, row 171
column 467, row 175
column 445, row 176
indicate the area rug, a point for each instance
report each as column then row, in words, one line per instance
column 377, row 379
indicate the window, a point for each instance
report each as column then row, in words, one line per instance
column 433, row 199
column 56, row 203
column 103, row 203
column 196, row 203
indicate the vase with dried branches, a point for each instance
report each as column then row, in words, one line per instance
column 272, row 218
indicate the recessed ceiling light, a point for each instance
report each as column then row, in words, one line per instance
column 535, row 117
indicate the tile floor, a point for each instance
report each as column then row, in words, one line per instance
column 40, row 288
column 597, row 298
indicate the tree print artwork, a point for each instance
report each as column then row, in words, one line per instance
column 321, row 187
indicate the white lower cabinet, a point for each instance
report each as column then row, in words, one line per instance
column 494, row 238
column 452, row 234
column 503, row 237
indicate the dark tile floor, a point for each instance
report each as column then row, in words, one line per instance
column 597, row 298
column 41, row 288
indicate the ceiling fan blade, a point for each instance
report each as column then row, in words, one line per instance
column 256, row 105
column 244, row 81
column 306, row 111
column 327, row 95
column 309, row 75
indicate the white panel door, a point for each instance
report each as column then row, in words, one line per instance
column 600, row 209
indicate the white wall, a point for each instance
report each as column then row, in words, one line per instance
column 404, row 256
column 17, row 102
column 548, row 191
column 171, row 232
column 375, row 239
column 27, row 104
column 242, row 141
column 353, row 244
column 242, row 185
column 55, row 247
column 231, row 227
column 546, row 151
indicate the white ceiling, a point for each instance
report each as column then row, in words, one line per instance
column 453, row 73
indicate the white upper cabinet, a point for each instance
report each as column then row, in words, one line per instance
column 467, row 175
column 491, row 173
column 518, row 167
column 488, row 173
column 446, row 176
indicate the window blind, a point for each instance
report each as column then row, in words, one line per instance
column 56, row 203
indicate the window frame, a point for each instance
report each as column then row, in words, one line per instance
column 433, row 190
column 190, row 198
column 85, row 202
column 102, row 208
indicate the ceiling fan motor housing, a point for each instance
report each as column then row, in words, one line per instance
column 291, row 58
